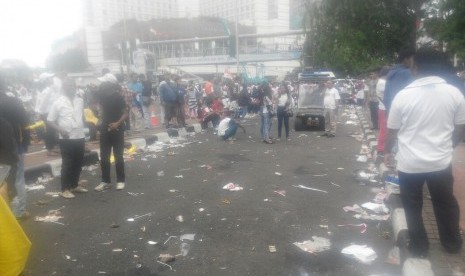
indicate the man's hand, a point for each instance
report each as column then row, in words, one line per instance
column 389, row 160
column 113, row 126
column 64, row 134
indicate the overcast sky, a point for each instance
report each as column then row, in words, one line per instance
column 28, row 27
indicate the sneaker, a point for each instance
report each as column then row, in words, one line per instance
column 102, row 186
column 67, row 194
column 79, row 189
column 120, row 185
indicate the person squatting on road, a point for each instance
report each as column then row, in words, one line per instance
column 114, row 113
column 284, row 103
column 228, row 127
column 428, row 119
column 66, row 117
column 331, row 102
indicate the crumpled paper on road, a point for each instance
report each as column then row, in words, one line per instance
column 318, row 244
column 361, row 253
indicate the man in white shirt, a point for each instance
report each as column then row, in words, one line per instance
column 228, row 127
column 44, row 102
column 428, row 119
column 66, row 117
column 331, row 102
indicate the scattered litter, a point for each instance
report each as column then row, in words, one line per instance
column 317, row 244
column 361, row 253
column 324, row 226
column 362, row 158
column 152, row 242
column 184, row 170
column 319, row 163
column 53, row 194
column 161, row 173
column 201, row 209
column 355, row 208
column 185, row 248
column 340, row 169
column 142, row 228
column 376, row 207
column 173, row 191
column 135, row 194
column 117, row 250
column 393, row 256
column 371, row 217
column 334, row 184
column 169, row 238
column 226, row 201
column 101, row 272
column 53, row 216
column 362, row 227
column 278, row 173
column 351, row 123
column 232, row 187
column 302, row 135
column 266, row 200
column 34, row 187
column 280, row 192
column 166, row 258
column 380, row 197
column 364, row 175
column 320, row 174
column 180, row 218
column 171, row 153
column 114, row 225
column 138, row 217
column 179, row 176
column 308, row 188
column 272, row 248
column 162, row 263
column 44, row 179
column 208, row 167
column 190, row 237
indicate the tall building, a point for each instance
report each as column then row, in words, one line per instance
column 99, row 15
column 266, row 15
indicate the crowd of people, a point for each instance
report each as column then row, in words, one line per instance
column 417, row 105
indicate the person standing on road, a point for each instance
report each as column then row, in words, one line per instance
column 114, row 113
column 331, row 102
column 135, row 85
column 284, row 103
column 66, row 117
column 266, row 112
column 428, row 119
column 12, row 110
column 181, row 104
column 372, row 100
column 382, row 123
column 146, row 99
column 398, row 77
column 43, row 105
column 168, row 100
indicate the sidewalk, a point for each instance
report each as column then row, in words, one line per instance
column 442, row 263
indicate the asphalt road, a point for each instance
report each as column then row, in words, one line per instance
column 233, row 229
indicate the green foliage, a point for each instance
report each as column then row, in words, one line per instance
column 73, row 60
column 356, row 36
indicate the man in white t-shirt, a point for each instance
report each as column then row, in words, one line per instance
column 66, row 117
column 428, row 119
column 331, row 102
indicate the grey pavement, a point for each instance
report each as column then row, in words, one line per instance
column 233, row 230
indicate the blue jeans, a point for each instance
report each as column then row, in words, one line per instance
column 231, row 131
column 265, row 125
column 282, row 116
column 18, row 205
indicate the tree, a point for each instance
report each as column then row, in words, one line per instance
column 73, row 60
column 355, row 36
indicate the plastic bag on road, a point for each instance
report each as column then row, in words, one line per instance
column 318, row 244
column 232, row 187
column 361, row 253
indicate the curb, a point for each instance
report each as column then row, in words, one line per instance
column 53, row 167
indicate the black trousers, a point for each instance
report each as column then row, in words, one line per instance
column 282, row 116
column 446, row 209
column 112, row 140
column 171, row 110
column 72, row 155
column 51, row 135
column 374, row 114
column 213, row 117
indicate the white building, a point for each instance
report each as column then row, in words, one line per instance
column 99, row 15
